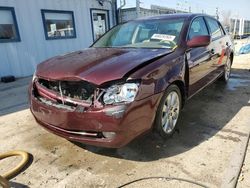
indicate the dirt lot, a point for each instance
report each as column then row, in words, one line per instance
column 207, row 148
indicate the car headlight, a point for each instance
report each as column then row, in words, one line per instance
column 121, row 93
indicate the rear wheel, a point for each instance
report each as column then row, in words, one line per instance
column 168, row 111
column 227, row 71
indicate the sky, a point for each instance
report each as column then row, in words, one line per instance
column 238, row 8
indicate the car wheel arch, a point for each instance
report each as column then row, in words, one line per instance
column 181, row 85
column 231, row 57
column 186, row 77
column 181, row 82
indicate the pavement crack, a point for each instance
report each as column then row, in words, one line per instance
column 234, row 132
column 234, row 139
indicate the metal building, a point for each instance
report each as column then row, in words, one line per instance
column 32, row 31
column 240, row 27
column 137, row 12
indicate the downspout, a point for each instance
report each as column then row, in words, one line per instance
column 138, row 8
column 116, row 13
column 120, row 10
column 113, row 4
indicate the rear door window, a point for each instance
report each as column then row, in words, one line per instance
column 214, row 28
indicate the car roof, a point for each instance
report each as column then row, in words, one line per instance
column 172, row 16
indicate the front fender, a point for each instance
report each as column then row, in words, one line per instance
column 157, row 76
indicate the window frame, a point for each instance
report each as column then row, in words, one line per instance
column 44, row 11
column 17, row 38
column 222, row 28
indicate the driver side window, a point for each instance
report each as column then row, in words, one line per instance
column 198, row 27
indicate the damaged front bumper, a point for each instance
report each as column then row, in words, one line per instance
column 90, row 122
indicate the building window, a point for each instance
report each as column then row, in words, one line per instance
column 58, row 24
column 8, row 25
column 100, row 22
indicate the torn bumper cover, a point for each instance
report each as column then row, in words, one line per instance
column 78, row 115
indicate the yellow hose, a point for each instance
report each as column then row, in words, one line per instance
column 17, row 169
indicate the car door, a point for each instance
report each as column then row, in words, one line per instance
column 219, row 46
column 199, row 58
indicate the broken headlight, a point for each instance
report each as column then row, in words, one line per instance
column 121, row 93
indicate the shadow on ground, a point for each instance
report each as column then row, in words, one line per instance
column 14, row 96
column 202, row 117
column 17, row 185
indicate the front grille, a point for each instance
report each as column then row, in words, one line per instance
column 80, row 90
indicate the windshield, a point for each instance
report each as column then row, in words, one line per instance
column 143, row 34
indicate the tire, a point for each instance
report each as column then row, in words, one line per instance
column 168, row 111
column 227, row 71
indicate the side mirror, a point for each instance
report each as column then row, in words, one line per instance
column 199, row 41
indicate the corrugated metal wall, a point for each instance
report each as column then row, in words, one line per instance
column 21, row 58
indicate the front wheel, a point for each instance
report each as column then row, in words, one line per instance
column 168, row 111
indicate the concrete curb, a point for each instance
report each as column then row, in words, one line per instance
column 237, row 159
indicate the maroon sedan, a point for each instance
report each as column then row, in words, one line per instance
column 134, row 78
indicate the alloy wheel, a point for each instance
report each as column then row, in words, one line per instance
column 227, row 69
column 170, row 112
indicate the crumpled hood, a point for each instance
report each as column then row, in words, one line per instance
column 97, row 65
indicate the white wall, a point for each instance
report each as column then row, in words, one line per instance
column 20, row 58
